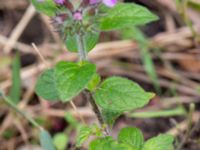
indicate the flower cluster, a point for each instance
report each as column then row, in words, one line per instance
column 77, row 14
column 60, row 1
column 109, row 3
column 72, row 18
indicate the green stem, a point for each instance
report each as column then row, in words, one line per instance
column 25, row 115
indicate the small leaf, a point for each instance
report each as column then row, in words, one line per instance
column 71, row 43
column 119, row 94
column 15, row 91
column 47, row 7
column 124, row 15
column 94, row 82
column 160, row 142
column 46, row 141
column 60, row 141
column 132, row 137
column 108, row 143
column 46, row 86
column 110, row 116
column 72, row 78
column 90, row 40
column 84, row 133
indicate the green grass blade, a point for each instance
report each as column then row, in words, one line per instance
column 15, row 91
column 179, row 111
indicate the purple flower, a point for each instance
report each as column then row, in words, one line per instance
column 59, row 1
column 110, row 3
column 77, row 16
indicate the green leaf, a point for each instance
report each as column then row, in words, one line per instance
column 119, row 94
column 132, row 137
column 124, row 15
column 47, row 7
column 160, row 142
column 15, row 91
column 46, row 86
column 110, row 116
column 60, row 141
column 46, row 141
column 84, row 133
column 90, row 39
column 65, row 81
column 108, row 143
column 72, row 78
column 96, row 79
column 71, row 43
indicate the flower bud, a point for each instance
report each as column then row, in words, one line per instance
column 59, row 1
column 77, row 16
column 110, row 3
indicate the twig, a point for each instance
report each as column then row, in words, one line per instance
column 40, row 55
column 189, row 129
column 19, row 28
column 78, row 113
column 23, row 132
column 183, row 125
column 18, row 45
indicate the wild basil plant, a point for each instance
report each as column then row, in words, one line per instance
column 80, row 23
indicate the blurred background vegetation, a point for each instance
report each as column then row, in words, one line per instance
column 163, row 57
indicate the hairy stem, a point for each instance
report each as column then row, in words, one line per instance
column 81, row 47
column 97, row 112
column 83, row 56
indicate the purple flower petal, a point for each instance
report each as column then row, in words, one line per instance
column 110, row 3
column 59, row 1
column 77, row 16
